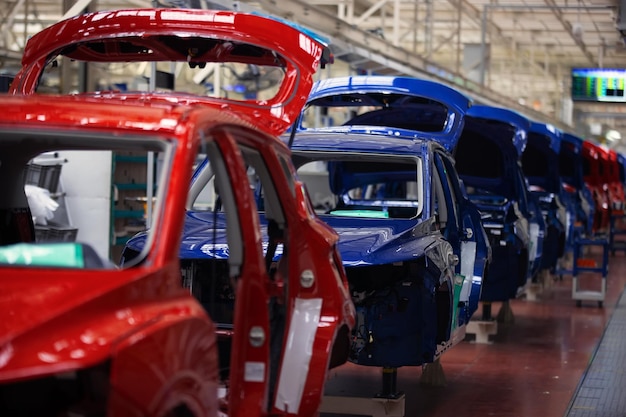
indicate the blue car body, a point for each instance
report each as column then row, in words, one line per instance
column 540, row 162
column 576, row 193
column 405, row 117
column 400, row 254
column 488, row 161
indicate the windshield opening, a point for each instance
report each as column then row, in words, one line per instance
column 362, row 186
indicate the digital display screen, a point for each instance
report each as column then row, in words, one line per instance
column 598, row 84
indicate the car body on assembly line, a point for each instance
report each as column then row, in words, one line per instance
column 595, row 174
column 488, row 159
column 576, row 191
column 280, row 314
column 410, row 238
column 540, row 163
column 395, row 206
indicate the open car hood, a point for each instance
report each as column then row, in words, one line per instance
column 541, row 158
column 548, row 132
column 571, row 160
column 488, row 153
column 576, row 141
column 189, row 36
column 409, row 104
column 519, row 122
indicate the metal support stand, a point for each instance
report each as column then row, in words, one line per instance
column 484, row 327
column 590, row 265
column 617, row 228
column 482, row 330
column 505, row 315
column 532, row 290
column 547, row 279
column 390, row 378
column 433, row 375
column 487, row 312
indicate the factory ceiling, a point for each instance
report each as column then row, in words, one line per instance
column 514, row 53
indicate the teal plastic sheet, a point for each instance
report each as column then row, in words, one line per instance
column 361, row 213
column 68, row 255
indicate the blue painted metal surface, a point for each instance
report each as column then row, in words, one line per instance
column 488, row 160
column 370, row 246
column 404, row 101
column 540, row 163
column 571, row 173
column 548, row 131
column 518, row 121
column 405, row 108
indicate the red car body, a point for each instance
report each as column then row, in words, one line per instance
column 149, row 343
column 595, row 172
column 616, row 187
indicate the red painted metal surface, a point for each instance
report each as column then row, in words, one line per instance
column 169, row 344
column 158, row 341
column 140, row 319
column 595, row 176
column 616, row 187
column 296, row 53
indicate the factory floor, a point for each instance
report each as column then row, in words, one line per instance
column 550, row 358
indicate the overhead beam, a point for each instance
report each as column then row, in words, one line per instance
column 350, row 38
column 556, row 10
column 76, row 9
column 8, row 25
column 377, row 6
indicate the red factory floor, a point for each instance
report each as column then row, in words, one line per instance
column 534, row 366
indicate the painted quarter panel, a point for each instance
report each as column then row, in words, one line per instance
column 176, row 363
column 59, row 321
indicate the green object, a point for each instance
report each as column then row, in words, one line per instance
column 458, row 286
column 69, row 255
column 377, row 214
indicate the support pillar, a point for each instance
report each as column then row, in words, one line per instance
column 433, row 375
column 505, row 315
column 390, row 379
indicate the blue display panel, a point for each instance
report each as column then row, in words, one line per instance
column 598, row 84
